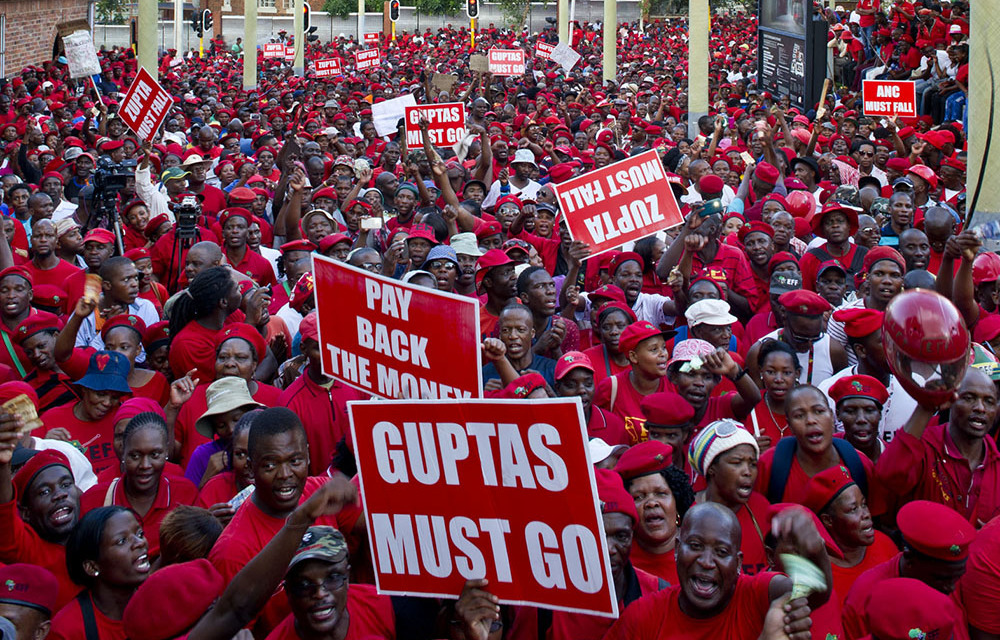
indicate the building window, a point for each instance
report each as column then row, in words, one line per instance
column 266, row 4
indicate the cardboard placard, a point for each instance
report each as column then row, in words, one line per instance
column 386, row 114
column 400, row 340
column 329, row 68
column 444, row 81
column 81, row 56
column 145, row 105
column 565, row 56
column 619, row 203
column 446, row 124
column 506, row 62
column 460, row 490
column 888, row 98
column 478, row 62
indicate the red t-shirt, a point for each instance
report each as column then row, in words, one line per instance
column 171, row 493
column 607, row 426
column 980, row 586
column 626, row 404
column 659, row 616
column 156, row 389
column 868, row 20
column 19, row 542
column 795, row 487
column 67, row 277
column 257, row 268
column 219, row 488
column 604, row 365
column 68, row 624
column 371, row 616
column 194, row 348
column 881, row 550
column 96, row 437
column 661, row 565
column 215, row 201
column 328, row 420
column 755, row 522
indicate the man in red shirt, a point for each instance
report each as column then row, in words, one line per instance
column 29, row 600
column 495, row 277
column 235, row 224
column 955, row 464
column 935, row 548
column 39, row 506
column 713, row 600
column 575, row 378
column 213, row 198
column 46, row 267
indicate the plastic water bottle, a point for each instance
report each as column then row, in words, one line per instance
column 989, row 230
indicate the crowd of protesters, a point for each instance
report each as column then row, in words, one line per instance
column 190, row 472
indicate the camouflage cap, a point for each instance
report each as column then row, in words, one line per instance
column 320, row 543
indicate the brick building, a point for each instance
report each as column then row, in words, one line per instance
column 28, row 30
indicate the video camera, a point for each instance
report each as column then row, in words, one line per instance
column 110, row 177
column 187, row 212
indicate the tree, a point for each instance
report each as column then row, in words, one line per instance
column 439, row 7
column 111, row 11
column 342, row 8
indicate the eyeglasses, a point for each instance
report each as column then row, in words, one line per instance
column 866, row 153
column 307, row 588
column 445, row 265
column 372, row 266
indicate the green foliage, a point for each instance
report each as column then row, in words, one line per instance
column 439, row 7
column 341, row 8
column 111, row 11
column 514, row 11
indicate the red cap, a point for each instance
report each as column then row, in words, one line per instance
column 636, row 333
column 859, row 386
column 523, row 386
column 906, row 608
column 28, row 585
column 824, row 487
column 572, row 360
column 624, row 257
column 613, row 496
column 35, row 465
column 102, row 236
column 645, row 458
column 172, row 600
column 780, row 258
column 607, row 292
column 804, row 302
column 488, row 228
column 249, row 334
column 489, row 260
column 666, row 409
column 424, row 231
column 935, row 530
column 309, row 328
column 298, row 245
column 131, row 321
column 859, row 322
column 40, row 321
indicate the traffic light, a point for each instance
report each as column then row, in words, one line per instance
column 133, row 33
column 306, row 10
column 206, row 20
column 394, row 10
column 472, row 8
column 196, row 23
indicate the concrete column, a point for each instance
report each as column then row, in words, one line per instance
column 699, row 20
column 147, row 35
column 249, row 44
column 610, row 40
column 300, row 39
column 983, row 202
column 563, row 14
column 361, row 20
column 179, row 25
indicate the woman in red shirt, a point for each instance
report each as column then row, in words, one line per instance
column 779, row 371
column 607, row 357
column 197, row 318
column 142, row 487
column 107, row 555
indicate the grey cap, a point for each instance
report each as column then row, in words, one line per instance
column 441, row 252
column 783, row 282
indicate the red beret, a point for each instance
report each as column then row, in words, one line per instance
column 906, row 608
column 328, row 242
column 624, row 257
column 988, row 327
column 613, row 496
column 241, row 195
column 28, row 585
column 645, row 458
column 607, row 292
column 562, row 172
column 767, row 173
column 298, row 245
column 245, row 332
column 20, row 271
column 935, row 530
column 756, row 227
column 14, row 388
column 155, row 223
column 666, row 409
column 487, row 229
column 137, row 254
column 235, row 212
column 129, row 320
column 859, row 322
column 954, row 164
column 710, row 183
column 804, row 302
column 824, row 487
column 877, row 254
column 509, row 199
column 35, row 465
column 40, row 321
column 897, row 164
column 103, row 236
column 157, row 335
column 859, row 386
column 172, row 600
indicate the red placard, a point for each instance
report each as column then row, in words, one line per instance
column 145, row 105
column 543, row 50
column 503, row 490
column 621, row 202
column 274, row 50
column 289, row 53
column 367, row 59
column 446, row 124
column 372, row 38
column 329, row 68
column 398, row 340
column 506, row 62
column 887, row 98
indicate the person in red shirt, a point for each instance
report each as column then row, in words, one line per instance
column 935, row 550
column 613, row 317
column 340, row 610
column 575, row 378
column 143, row 488
column 46, row 267
column 321, row 398
column 662, row 495
column 980, row 586
column 955, row 464
column 697, row 368
column 15, row 307
column 903, row 604
column 495, row 277
column 712, row 599
column 197, row 319
column 836, row 499
column 39, row 507
column 668, row 420
column 105, row 554
column 30, row 603
column 837, row 223
column 235, row 223
column 213, row 199
column 90, row 421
